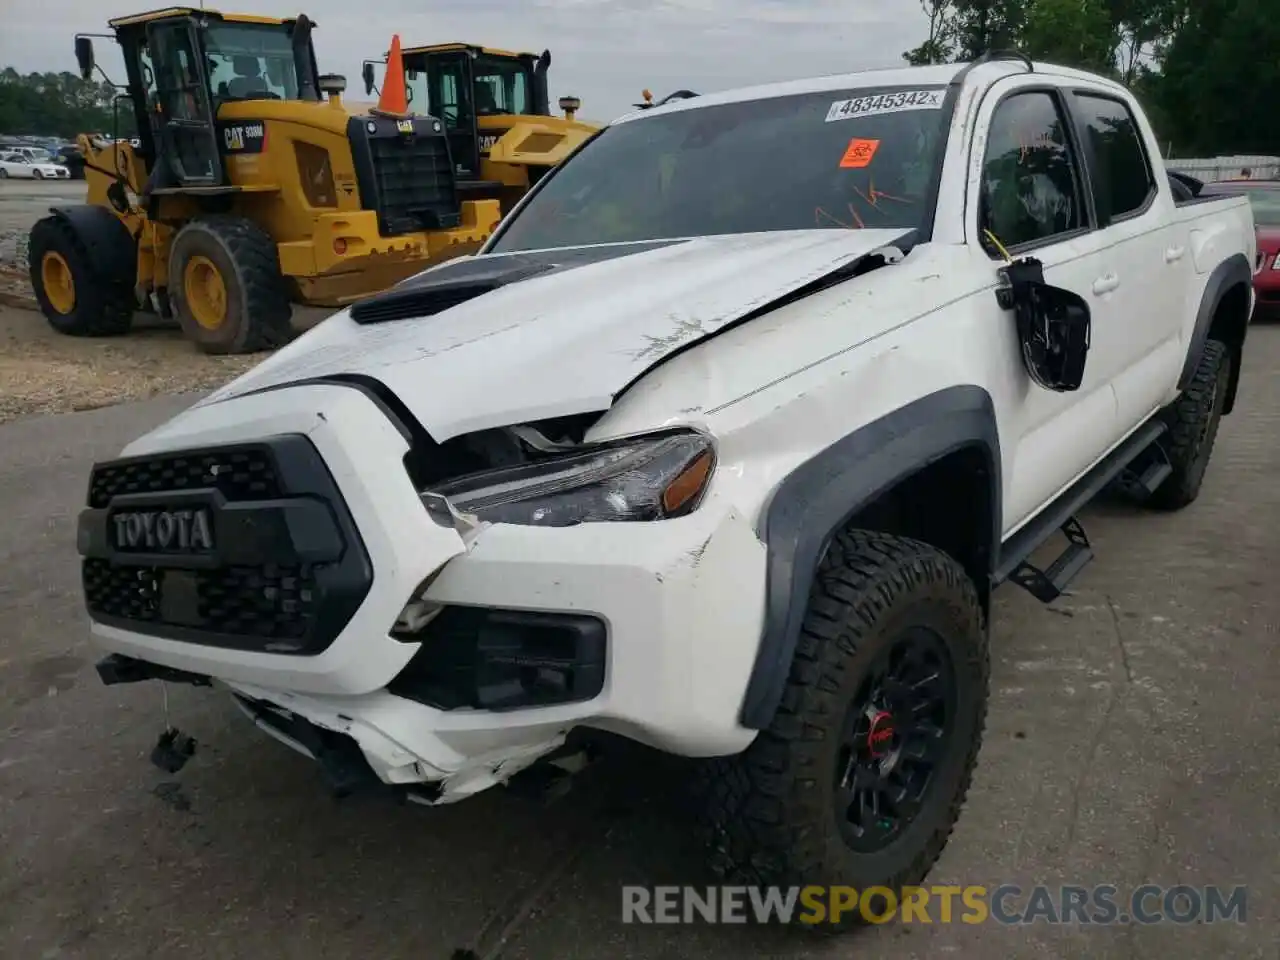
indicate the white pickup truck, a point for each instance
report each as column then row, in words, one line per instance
column 721, row 444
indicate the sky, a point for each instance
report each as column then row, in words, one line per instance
column 603, row 51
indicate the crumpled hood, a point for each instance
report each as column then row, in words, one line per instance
column 568, row 340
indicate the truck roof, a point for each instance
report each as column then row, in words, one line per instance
column 934, row 75
column 165, row 12
column 454, row 47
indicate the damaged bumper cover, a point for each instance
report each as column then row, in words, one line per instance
column 667, row 666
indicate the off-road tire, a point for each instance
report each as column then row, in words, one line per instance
column 1193, row 426
column 769, row 814
column 103, row 306
column 258, row 305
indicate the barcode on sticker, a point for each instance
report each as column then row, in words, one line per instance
column 885, row 103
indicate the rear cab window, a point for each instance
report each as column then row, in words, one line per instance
column 839, row 159
column 1119, row 168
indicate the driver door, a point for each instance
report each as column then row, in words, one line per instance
column 1029, row 191
column 185, row 125
column 452, row 101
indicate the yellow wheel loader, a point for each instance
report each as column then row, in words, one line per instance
column 253, row 188
column 496, row 111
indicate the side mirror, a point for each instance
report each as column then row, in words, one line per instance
column 1053, row 326
column 366, row 72
column 84, row 57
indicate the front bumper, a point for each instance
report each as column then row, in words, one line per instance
column 681, row 602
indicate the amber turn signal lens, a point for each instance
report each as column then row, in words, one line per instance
column 686, row 487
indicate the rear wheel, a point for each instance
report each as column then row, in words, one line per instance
column 4, row 174
column 860, row 777
column 74, row 299
column 226, row 287
column 1193, row 427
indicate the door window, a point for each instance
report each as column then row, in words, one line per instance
column 1030, row 189
column 449, row 100
column 1120, row 171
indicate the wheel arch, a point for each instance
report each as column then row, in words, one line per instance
column 1223, row 314
column 113, row 252
column 943, row 448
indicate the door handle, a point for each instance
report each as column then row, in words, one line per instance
column 1105, row 284
column 1174, row 254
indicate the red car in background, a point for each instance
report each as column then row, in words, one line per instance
column 1264, row 197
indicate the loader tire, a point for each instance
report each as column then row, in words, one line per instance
column 887, row 692
column 1193, row 427
column 73, row 296
column 226, row 288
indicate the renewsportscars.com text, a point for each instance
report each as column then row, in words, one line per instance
column 1008, row 904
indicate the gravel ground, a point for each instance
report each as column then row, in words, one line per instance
column 41, row 372
column 44, row 372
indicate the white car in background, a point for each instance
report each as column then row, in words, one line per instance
column 18, row 165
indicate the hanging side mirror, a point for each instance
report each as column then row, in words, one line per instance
column 84, row 57
column 367, row 73
column 1053, row 325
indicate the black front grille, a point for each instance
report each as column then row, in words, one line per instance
column 287, row 570
column 272, row 603
column 238, row 473
column 407, row 178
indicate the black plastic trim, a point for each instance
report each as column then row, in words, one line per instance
column 1236, row 269
column 461, row 646
column 289, row 531
column 1036, row 531
column 305, row 479
column 817, row 499
column 115, row 668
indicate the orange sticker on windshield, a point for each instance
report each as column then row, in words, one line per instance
column 859, row 153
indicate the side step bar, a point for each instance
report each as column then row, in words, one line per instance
column 1049, row 584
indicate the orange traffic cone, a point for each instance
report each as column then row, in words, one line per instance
column 394, row 101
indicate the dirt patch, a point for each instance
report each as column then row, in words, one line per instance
column 44, row 372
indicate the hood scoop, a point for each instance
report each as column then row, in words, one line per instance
column 457, row 281
column 437, row 290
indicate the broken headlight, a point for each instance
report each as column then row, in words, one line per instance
column 639, row 478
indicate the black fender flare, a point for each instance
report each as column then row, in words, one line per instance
column 1236, row 269
column 819, row 497
column 113, row 250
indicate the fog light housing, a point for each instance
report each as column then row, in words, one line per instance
column 490, row 659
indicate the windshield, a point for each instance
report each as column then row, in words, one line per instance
column 249, row 61
column 502, row 86
column 837, row 160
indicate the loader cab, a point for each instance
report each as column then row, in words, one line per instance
column 183, row 64
column 476, row 92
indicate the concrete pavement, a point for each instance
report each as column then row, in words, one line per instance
column 1131, row 740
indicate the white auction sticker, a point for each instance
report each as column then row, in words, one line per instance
column 885, row 103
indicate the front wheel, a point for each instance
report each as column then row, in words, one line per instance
column 4, row 174
column 860, row 778
column 37, row 174
column 226, row 287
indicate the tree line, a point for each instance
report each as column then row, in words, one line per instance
column 59, row 105
column 1206, row 71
